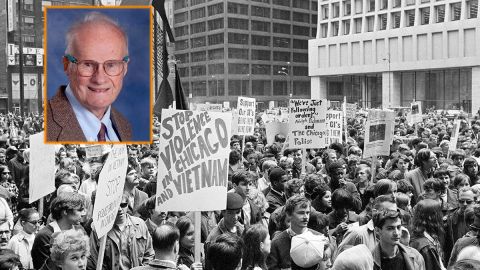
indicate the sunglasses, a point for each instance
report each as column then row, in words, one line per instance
column 465, row 201
column 124, row 204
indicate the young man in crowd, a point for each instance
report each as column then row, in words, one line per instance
column 276, row 196
column 226, row 253
column 242, row 184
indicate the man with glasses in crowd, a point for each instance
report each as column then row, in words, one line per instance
column 95, row 61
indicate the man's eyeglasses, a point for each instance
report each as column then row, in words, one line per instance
column 34, row 222
column 465, row 201
column 87, row 68
column 6, row 173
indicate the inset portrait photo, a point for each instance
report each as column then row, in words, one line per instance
column 98, row 75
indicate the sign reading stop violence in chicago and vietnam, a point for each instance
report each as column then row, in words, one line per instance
column 307, row 123
column 246, row 116
column 110, row 189
column 193, row 160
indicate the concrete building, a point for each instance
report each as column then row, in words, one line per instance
column 386, row 53
column 255, row 48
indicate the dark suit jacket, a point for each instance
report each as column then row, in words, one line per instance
column 62, row 124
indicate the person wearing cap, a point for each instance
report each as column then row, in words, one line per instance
column 471, row 239
column 389, row 253
column 356, row 258
column 229, row 224
column 276, row 196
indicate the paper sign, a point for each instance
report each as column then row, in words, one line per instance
column 274, row 128
column 42, row 168
column 209, row 107
column 415, row 115
column 350, row 110
column 454, row 139
column 93, row 151
column 246, row 116
column 378, row 133
column 333, row 126
column 307, row 123
column 193, row 161
column 110, row 189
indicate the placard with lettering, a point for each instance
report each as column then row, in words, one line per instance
column 246, row 116
column 307, row 123
column 379, row 133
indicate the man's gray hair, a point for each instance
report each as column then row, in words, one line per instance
column 93, row 17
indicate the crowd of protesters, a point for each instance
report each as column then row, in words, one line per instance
column 418, row 208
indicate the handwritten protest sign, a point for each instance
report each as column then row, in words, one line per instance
column 42, row 168
column 415, row 115
column 307, row 123
column 110, row 189
column 209, row 107
column 350, row 110
column 378, row 133
column 92, row 151
column 274, row 128
column 193, row 163
column 246, row 116
column 333, row 126
column 455, row 132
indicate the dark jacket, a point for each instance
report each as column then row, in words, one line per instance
column 413, row 259
column 455, row 228
column 460, row 244
column 138, row 198
column 429, row 252
column 62, row 124
column 275, row 200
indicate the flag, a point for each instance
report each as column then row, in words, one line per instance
column 164, row 97
column 180, row 98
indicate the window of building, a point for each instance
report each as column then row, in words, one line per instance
column 335, row 28
column 300, row 44
column 277, row 68
column 199, row 70
column 183, row 72
column 197, row 27
column 261, row 69
column 215, row 9
column 197, row 2
column 180, row 4
column 396, row 3
column 346, row 27
column 215, row 24
column 197, row 13
column 347, row 7
column 237, row 87
column 199, row 56
column 198, row 42
column 314, row 32
column 181, row 31
column 324, row 30
column 358, row 6
column 314, row 6
column 304, row 4
column 357, row 25
column 216, row 54
column 409, row 18
column 260, row 11
column 395, row 19
column 281, row 28
column 425, row 15
column 261, row 55
column 335, row 10
column 382, row 21
column 261, row 26
column 182, row 57
column 301, row 88
column 236, row 23
column 300, row 57
column 262, row 1
column 424, row 1
column 181, row 44
column 280, row 88
column 410, row 2
column 301, row 17
column 455, row 10
column 314, row 19
column 180, row 17
column 472, row 9
column 235, row 8
column 281, row 56
column 440, row 13
column 28, row 5
column 199, row 88
column 260, row 40
column 186, row 88
column 216, row 39
column 301, row 30
column 371, row 5
column 324, row 9
column 236, row 53
column 216, row 69
column 285, row 3
column 216, row 87
column 281, row 42
column 261, row 88
column 236, row 38
column 383, row 4
column 281, row 14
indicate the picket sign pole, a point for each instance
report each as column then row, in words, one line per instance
column 374, row 168
column 243, row 145
column 101, row 252
column 345, row 119
column 304, row 160
column 198, row 229
column 40, row 206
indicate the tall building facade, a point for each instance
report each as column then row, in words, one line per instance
column 387, row 53
column 257, row 48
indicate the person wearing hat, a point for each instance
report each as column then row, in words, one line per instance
column 471, row 239
column 276, row 196
column 229, row 224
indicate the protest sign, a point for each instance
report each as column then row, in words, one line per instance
column 92, row 151
column 415, row 115
column 350, row 110
column 42, row 168
column 246, row 116
column 193, row 163
column 454, row 139
column 110, row 189
column 274, row 128
column 333, row 126
column 307, row 123
column 379, row 133
column 209, row 107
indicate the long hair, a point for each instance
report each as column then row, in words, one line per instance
column 253, row 255
column 427, row 217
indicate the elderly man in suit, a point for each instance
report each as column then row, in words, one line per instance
column 95, row 61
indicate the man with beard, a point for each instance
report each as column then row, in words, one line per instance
column 67, row 210
column 129, row 243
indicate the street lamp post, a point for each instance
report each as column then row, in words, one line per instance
column 387, row 58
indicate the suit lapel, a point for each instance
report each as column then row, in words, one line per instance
column 64, row 116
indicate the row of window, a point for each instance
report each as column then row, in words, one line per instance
column 238, row 53
column 240, row 69
column 303, row 4
column 439, row 16
column 243, row 39
column 332, row 10
column 215, row 87
column 242, row 9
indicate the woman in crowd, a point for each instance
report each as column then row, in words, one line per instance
column 5, row 177
column 69, row 251
column 257, row 247
column 426, row 161
column 461, row 180
column 470, row 168
column 427, row 233
column 187, row 241
column 322, row 198
column 22, row 242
